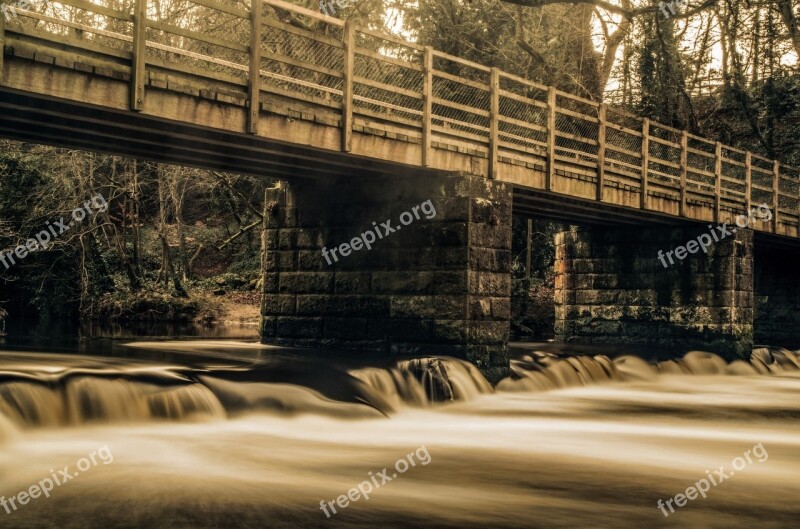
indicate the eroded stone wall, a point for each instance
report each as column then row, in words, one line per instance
column 438, row 285
column 611, row 287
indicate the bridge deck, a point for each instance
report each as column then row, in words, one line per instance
column 286, row 91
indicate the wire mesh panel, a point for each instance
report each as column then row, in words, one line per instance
column 524, row 107
column 202, row 39
column 665, row 156
column 789, row 197
column 762, row 175
column 577, row 128
column 461, row 95
column 100, row 26
column 623, row 142
column 388, row 77
column 304, row 59
column 733, row 182
column 701, row 161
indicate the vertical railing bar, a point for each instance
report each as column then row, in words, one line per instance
column 551, row 137
column 645, row 162
column 427, row 102
column 717, row 181
column 684, row 169
column 776, row 172
column 2, row 44
column 601, row 150
column 139, row 51
column 254, row 81
column 494, row 121
column 748, row 179
column 347, row 86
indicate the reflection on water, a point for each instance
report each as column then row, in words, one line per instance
column 226, row 434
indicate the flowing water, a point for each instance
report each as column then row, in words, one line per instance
column 230, row 434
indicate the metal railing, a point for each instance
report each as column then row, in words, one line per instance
column 276, row 48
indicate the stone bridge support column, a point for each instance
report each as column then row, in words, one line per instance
column 612, row 287
column 435, row 280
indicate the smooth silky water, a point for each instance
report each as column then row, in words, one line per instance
column 230, row 434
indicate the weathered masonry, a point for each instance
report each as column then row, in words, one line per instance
column 611, row 288
column 438, row 285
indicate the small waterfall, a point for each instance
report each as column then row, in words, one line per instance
column 542, row 371
column 87, row 399
column 96, row 399
column 31, row 404
column 398, row 387
column 289, row 400
column 774, row 361
column 423, row 381
column 546, row 372
column 7, row 429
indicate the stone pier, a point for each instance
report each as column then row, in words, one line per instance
column 439, row 283
column 611, row 287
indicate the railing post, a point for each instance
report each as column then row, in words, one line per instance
column 684, row 166
column 2, row 44
column 748, row 179
column 776, row 174
column 254, row 84
column 645, row 162
column 427, row 105
column 601, row 150
column 347, row 86
column 717, row 181
column 551, row 138
column 494, row 122
column 139, row 54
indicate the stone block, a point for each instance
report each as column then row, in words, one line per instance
column 348, row 329
column 489, row 284
column 268, row 327
column 306, row 282
column 489, row 332
column 352, row 282
column 311, row 260
column 277, row 304
column 490, row 259
column 299, row 327
column 398, row 282
column 433, row 307
column 270, row 282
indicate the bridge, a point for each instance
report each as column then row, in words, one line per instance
column 363, row 125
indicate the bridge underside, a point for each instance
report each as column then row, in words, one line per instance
column 65, row 123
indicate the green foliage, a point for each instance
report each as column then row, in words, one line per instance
column 19, row 179
column 248, row 266
column 532, row 292
column 158, row 306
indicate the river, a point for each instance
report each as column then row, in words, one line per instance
column 228, row 433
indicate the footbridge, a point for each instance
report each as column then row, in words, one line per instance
column 361, row 126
